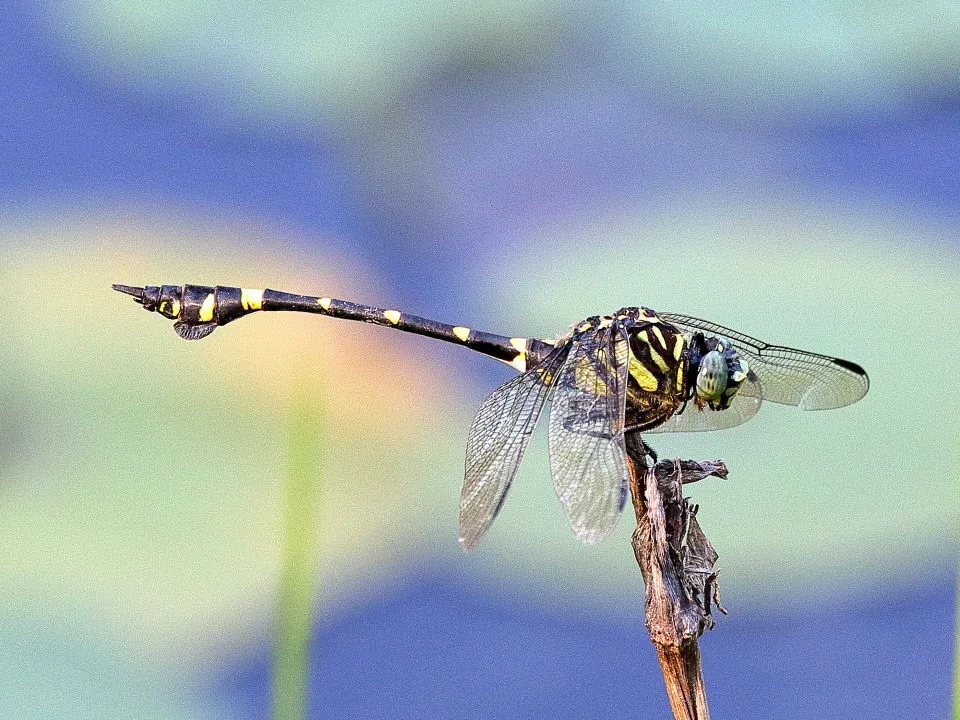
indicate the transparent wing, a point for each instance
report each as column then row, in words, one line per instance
column 694, row 419
column 498, row 438
column 786, row 375
column 587, row 453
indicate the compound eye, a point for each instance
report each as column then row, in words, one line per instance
column 712, row 376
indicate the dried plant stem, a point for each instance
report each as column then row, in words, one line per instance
column 676, row 561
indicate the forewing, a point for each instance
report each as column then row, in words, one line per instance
column 498, row 438
column 694, row 419
column 587, row 453
column 786, row 375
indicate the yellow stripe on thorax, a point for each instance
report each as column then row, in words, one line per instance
column 645, row 379
column 678, row 347
column 658, row 334
column 677, row 353
column 654, row 354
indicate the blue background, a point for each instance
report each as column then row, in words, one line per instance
column 516, row 167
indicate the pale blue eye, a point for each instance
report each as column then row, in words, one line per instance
column 712, row 376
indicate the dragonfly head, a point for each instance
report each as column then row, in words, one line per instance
column 720, row 373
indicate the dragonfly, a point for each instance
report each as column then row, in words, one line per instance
column 635, row 370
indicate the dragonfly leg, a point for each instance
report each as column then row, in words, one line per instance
column 649, row 450
column 646, row 448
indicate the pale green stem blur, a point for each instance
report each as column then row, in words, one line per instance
column 298, row 559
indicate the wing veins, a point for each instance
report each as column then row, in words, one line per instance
column 788, row 375
column 498, row 438
column 587, row 452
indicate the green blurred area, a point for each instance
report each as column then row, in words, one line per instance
column 141, row 501
column 297, row 59
column 863, row 494
column 141, row 475
column 354, row 61
column 303, row 512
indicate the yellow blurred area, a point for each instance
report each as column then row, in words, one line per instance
column 140, row 473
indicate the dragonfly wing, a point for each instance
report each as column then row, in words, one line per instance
column 786, row 375
column 498, row 437
column 587, row 453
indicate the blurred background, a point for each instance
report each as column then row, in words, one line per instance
column 790, row 171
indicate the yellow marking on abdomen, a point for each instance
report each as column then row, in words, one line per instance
column 324, row 303
column 520, row 362
column 207, row 308
column 169, row 308
column 519, row 344
column 643, row 376
column 462, row 333
column 392, row 315
column 251, row 299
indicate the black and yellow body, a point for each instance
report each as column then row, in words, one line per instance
column 659, row 373
column 634, row 370
column 199, row 309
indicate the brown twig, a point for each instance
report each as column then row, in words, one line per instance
column 677, row 562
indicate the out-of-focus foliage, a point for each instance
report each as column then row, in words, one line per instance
column 305, row 58
column 789, row 172
column 141, row 472
column 844, row 494
column 806, row 59
column 299, row 58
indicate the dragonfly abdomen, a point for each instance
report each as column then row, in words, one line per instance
column 199, row 309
